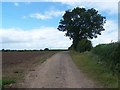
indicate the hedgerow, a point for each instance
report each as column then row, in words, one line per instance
column 109, row 55
column 84, row 45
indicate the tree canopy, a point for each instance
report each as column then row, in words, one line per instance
column 80, row 23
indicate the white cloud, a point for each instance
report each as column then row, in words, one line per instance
column 60, row 0
column 47, row 15
column 33, row 39
column 16, row 4
column 39, row 16
column 68, row 1
column 110, row 7
column 50, row 37
column 28, row 2
column 24, row 17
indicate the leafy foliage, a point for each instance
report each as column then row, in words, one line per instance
column 109, row 54
column 80, row 23
column 84, row 45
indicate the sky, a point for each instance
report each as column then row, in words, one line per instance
column 33, row 25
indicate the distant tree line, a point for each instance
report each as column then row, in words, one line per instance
column 46, row 49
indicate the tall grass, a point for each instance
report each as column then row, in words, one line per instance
column 109, row 55
column 88, row 64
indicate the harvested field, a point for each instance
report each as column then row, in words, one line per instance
column 16, row 64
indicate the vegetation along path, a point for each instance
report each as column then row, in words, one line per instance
column 59, row 71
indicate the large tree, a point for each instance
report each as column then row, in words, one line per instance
column 80, row 23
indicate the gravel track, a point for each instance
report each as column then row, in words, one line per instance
column 59, row 71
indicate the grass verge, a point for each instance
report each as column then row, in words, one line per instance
column 88, row 64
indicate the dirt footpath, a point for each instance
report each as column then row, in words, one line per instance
column 59, row 71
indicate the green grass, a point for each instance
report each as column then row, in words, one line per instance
column 89, row 65
column 6, row 82
column 0, row 84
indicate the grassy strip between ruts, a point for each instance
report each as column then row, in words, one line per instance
column 88, row 64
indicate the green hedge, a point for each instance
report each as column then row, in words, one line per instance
column 109, row 55
column 84, row 45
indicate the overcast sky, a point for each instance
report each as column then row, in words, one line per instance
column 33, row 25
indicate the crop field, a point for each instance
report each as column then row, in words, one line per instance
column 16, row 64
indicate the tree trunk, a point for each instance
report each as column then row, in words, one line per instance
column 75, row 43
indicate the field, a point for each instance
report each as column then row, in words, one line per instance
column 16, row 64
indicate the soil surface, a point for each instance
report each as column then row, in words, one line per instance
column 59, row 71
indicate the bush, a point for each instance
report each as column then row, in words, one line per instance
column 71, row 47
column 84, row 45
column 3, row 49
column 46, row 49
column 109, row 55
